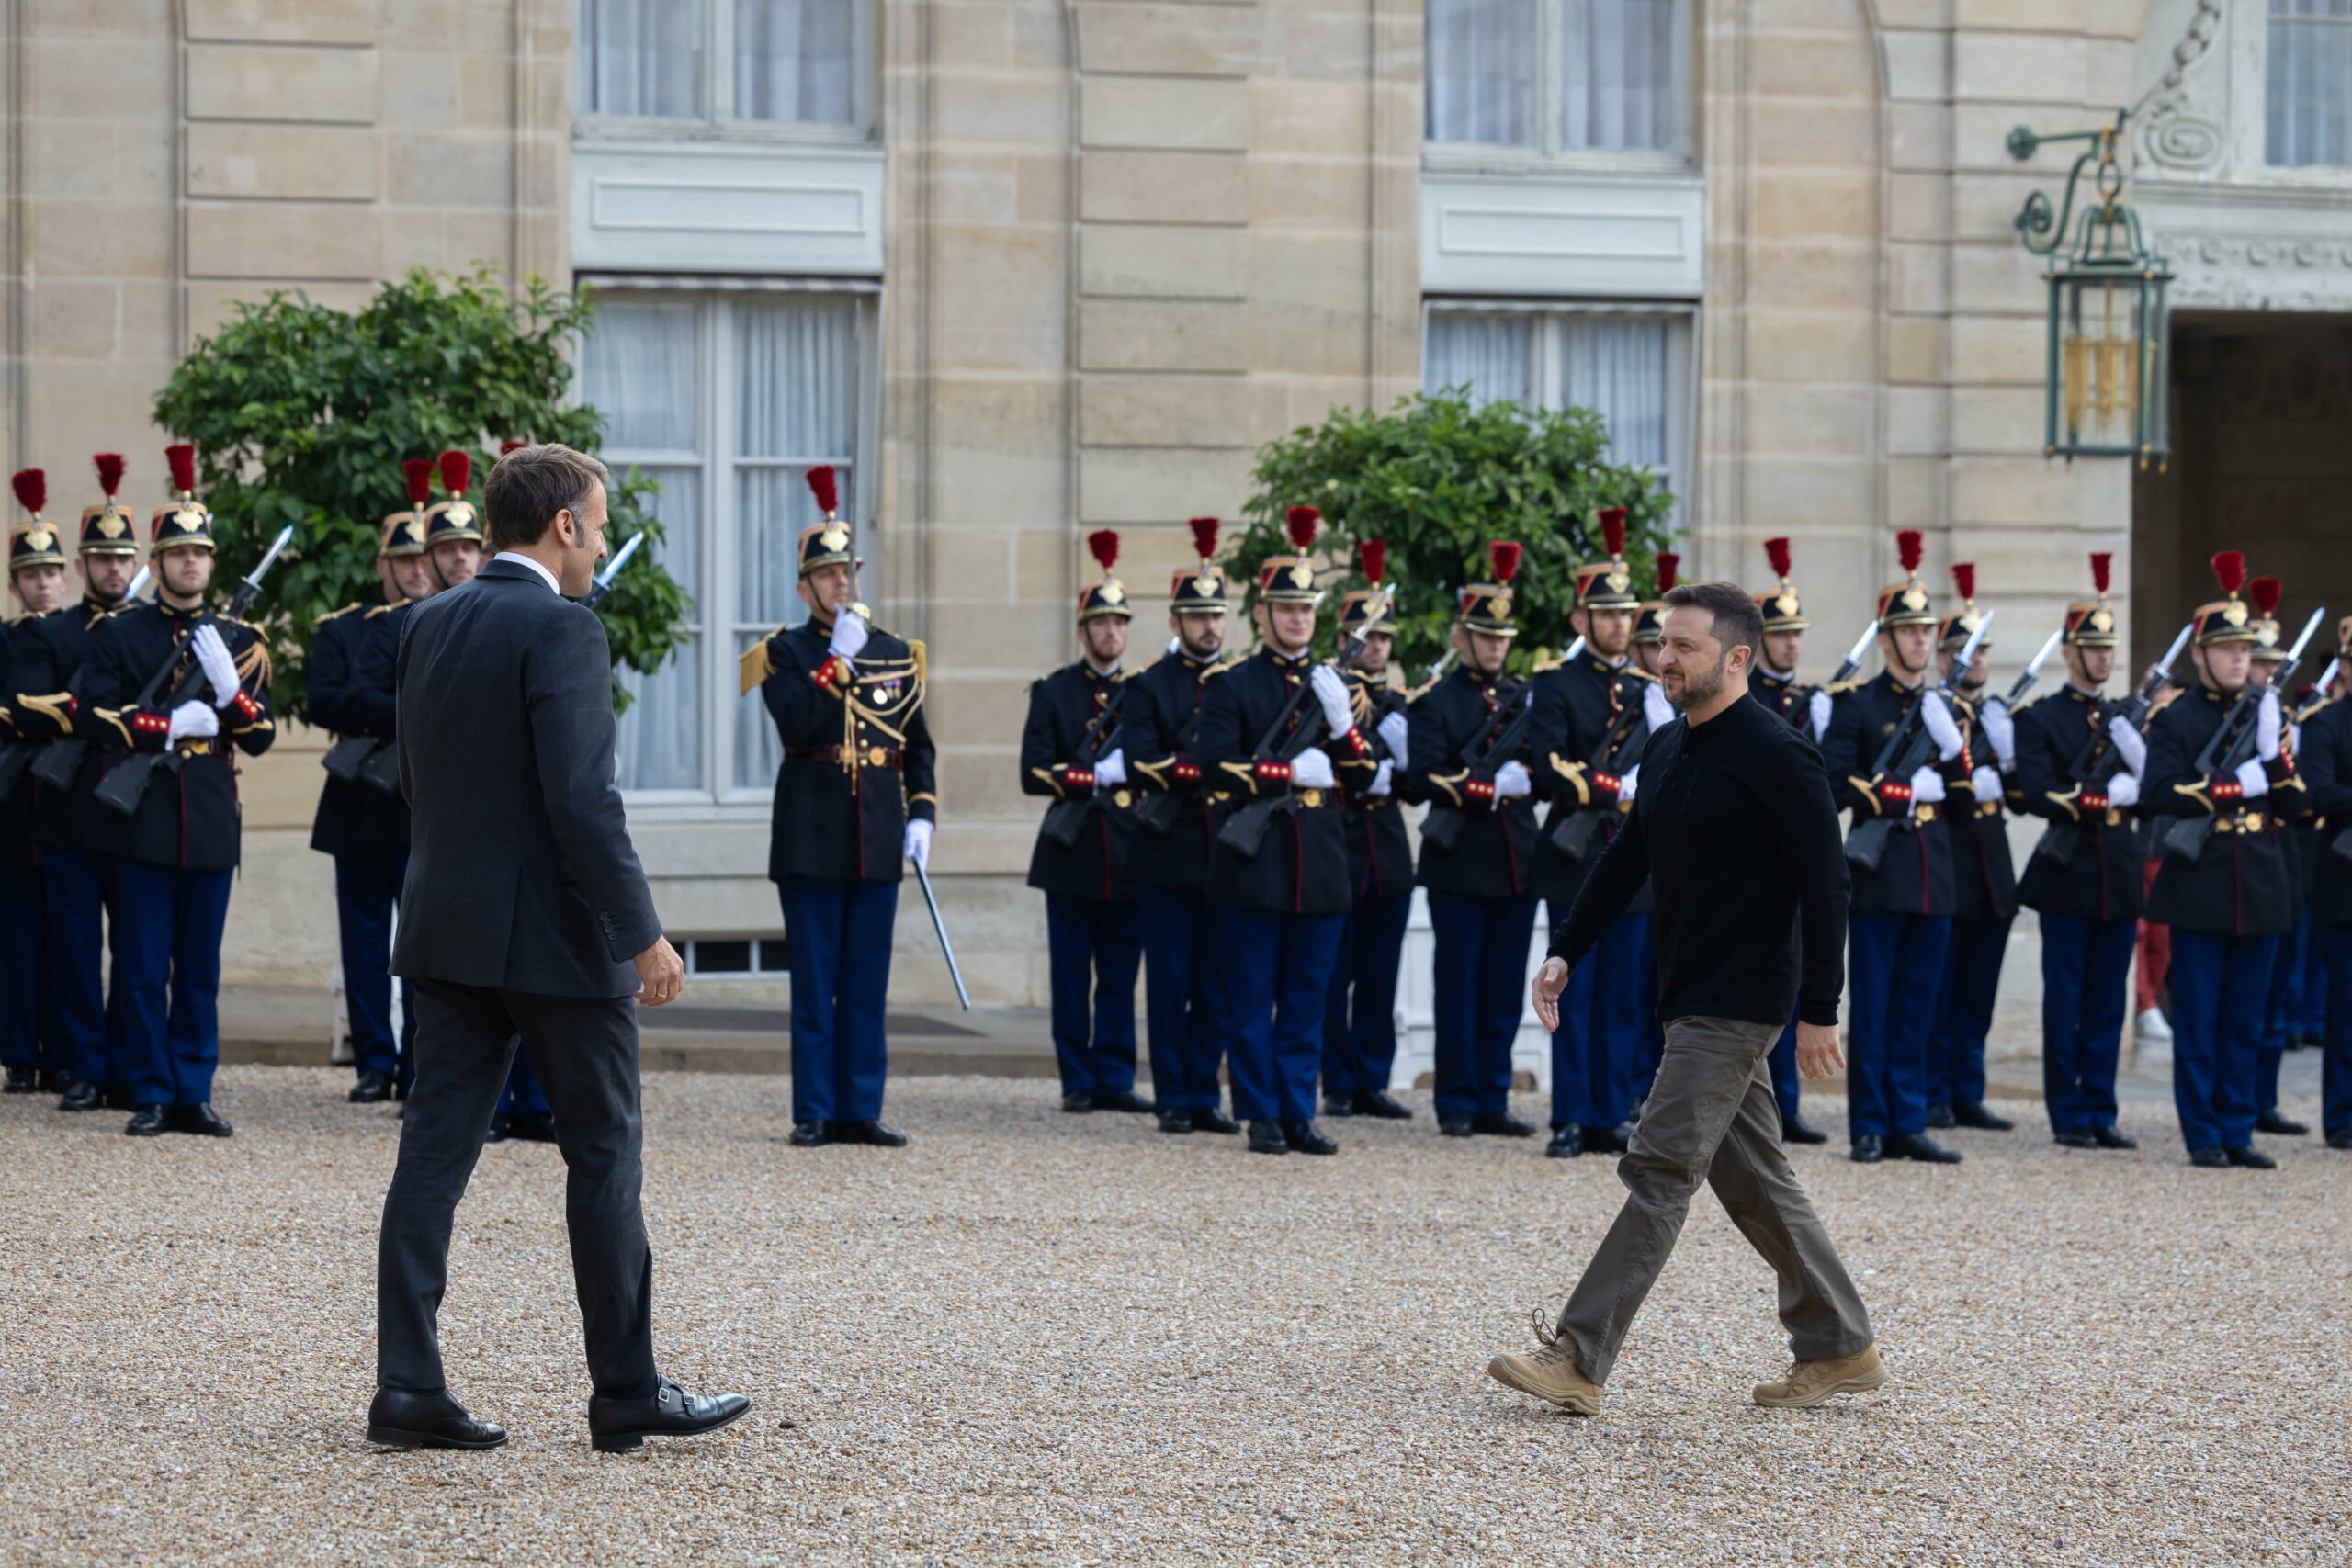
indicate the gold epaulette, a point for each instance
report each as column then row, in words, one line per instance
column 254, row 661
column 1544, row 664
column 2026, row 704
column 382, row 610
column 1856, row 685
column 752, row 666
column 2303, row 715
column 920, row 652
column 330, row 614
column 1638, row 673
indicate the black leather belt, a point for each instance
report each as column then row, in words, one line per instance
column 864, row 756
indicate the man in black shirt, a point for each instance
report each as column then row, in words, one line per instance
column 1774, row 683
column 1735, row 830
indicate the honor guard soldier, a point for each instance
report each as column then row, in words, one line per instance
column 1984, row 882
column 2286, row 1000
column 1468, row 740
column 175, row 846
column 1278, row 736
column 59, row 786
column 453, row 527
column 1593, row 714
column 1070, row 752
column 1650, row 615
column 30, row 1046
column 1174, row 838
column 2079, row 761
column 1360, row 1024
column 1774, row 683
column 855, row 797
column 2326, row 762
column 1900, row 930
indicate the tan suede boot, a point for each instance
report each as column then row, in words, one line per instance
column 1816, row 1382
column 1549, row 1371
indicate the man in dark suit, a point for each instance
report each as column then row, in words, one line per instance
column 524, row 913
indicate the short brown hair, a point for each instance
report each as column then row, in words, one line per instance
column 531, row 484
column 1737, row 623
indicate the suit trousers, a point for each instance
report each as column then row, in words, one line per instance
column 839, row 933
column 2335, row 1062
column 1360, row 1019
column 1182, row 963
column 76, row 891
column 1897, row 967
column 1093, row 954
column 1604, row 1013
column 1712, row 1118
column 1277, row 972
column 27, row 1037
column 2085, row 985
column 1787, row 1084
column 2220, row 989
column 1478, row 992
column 522, row 1095
column 584, row 1051
column 367, row 893
column 167, row 927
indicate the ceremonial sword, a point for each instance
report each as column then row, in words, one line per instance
column 946, row 948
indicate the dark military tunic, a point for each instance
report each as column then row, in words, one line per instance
column 2242, row 884
column 1300, row 866
column 17, row 808
column 1915, row 876
column 351, row 689
column 1071, row 726
column 1984, row 872
column 49, row 652
column 1380, row 852
column 2102, row 880
column 1577, row 706
column 2324, row 764
column 1785, row 696
column 858, row 759
column 1449, row 725
column 1160, row 733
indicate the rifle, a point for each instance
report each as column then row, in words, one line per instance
column 1443, row 824
column 125, row 784
column 2024, row 684
column 1065, row 819
column 595, row 595
column 1906, row 752
column 2233, row 744
column 1245, row 830
column 57, row 762
column 1156, row 810
column 2089, row 766
column 1573, row 831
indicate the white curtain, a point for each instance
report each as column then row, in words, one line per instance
column 2308, row 108
column 643, row 371
column 1616, row 367
column 796, row 59
column 661, row 735
column 640, row 57
column 1486, row 351
column 1484, row 56
column 1617, row 74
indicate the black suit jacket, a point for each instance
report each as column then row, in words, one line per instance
column 520, row 875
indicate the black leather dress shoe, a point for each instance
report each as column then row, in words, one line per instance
column 1380, row 1104
column 1125, row 1099
column 147, row 1121
column 398, row 1419
column 1567, row 1142
column 1077, row 1104
column 1868, row 1149
column 1339, row 1105
column 1973, row 1113
column 531, row 1127
column 2279, row 1126
column 2340, row 1139
column 1307, row 1138
column 87, row 1094
column 1175, row 1120
column 1209, row 1119
column 869, row 1133
column 2074, row 1140
column 372, row 1088
column 1920, row 1148
column 807, row 1136
column 1939, row 1117
column 2209, row 1159
column 1502, row 1124
column 201, row 1119
column 22, row 1080
column 621, row 1425
column 1797, row 1130
column 1266, row 1138
column 2109, row 1138
column 1457, row 1127
column 2250, row 1158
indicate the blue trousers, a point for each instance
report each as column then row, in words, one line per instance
column 1481, row 964
column 168, row 955
column 523, row 1096
column 1965, row 1011
column 28, row 1034
column 839, row 933
column 1604, row 1016
column 1896, row 968
column 2335, row 1065
column 367, row 891
column 1360, row 1019
column 76, row 891
column 1787, row 1084
column 1277, row 977
column 1183, row 967
column 1093, row 952
column 2220, row 992
column 2315, row 986
column 2085, row 992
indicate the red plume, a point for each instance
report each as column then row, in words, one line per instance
column 2099, row 563
column 1301, row 522
column 1105, row 544
column 1374, row 555
column 109, row 465
column 420, row 479
column 1613, row 530
column 2229, row 570
column 1505, row 554
column 32, row 489
column 821, row 486
column 1669, row 565
column 1777, row 552
column 2264, row 591
column 1910, row 544
column 506, row 446
column 457, row 471
column 1963, row 577
column 1204, row 536
column 180, row 457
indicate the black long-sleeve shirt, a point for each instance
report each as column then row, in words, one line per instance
column 1736, row 831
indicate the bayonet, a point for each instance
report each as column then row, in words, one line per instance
column 1854, row 655
column 2024, row 682
column 612, row 569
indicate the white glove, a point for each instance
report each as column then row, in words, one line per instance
column 1511, row 779
column 1382, row 779
column 2128, row 744
column 1112, row 771
column 849, row 634
column 2267, row 726
column 1927, row 786
column 2252, row 779
column 1311, row 769
column 2002, row 731
column 192, row 719
column 1331, row 691
column 2123, row 790
column 1985, row 783
column 1626, row 785
column 1655, row 708
column 1820, row 706
column 1393, row 732
column 1938, row 718
column 219, row 670
column 918, row 848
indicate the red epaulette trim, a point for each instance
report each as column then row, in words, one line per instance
column 1897, row 793
column 1186, row 772
column 1354, row 737
column 247, row 709
column 824, row 673
column 1274, row 773
column 1478, row 789
column 1079, row 778
column 1609, row 781
column 151, row 723
column 2094, row 803
column 2226, row 789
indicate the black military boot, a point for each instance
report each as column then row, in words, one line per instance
column 1939, row 1117
column 1567, row 1141
column 1266, row 1138
column 1920, row 1148
column 201, row 1119
column 86, row 1094
column 1174, row 1120
column 807, row 1136
column 2249, row 1158
column 1209, row 1119
column 147, row 1121
column 2272, row 1122
column 1305, row 1138
column 1502, row 1124
column 372, row 1088
column 1125, row 1099
column 872, row 1133
column 1973, row 1113
column 2109, row 1138
column 1380, row 1104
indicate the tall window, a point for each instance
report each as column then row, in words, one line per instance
column 727, row 399
column 2308, row 103
column 798, row 62
column 1559, row 75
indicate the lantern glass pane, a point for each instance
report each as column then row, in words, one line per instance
column 2100, row 368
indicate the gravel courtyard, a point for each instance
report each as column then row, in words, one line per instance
column 1034, row 1337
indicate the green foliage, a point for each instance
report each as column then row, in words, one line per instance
column 1439, row 478
column 302, row 414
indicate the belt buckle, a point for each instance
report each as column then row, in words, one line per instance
column 2250, row 823
column 1310, row 797
column 1122, row 798
column 876, row 757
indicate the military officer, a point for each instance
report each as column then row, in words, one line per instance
column 1468, row 741
column 1650, row 615
column 2224, row 886
column 1984, row 884
column 1174, row 836
column 2325, row 763
column 175, row 850
column 30, row 1046
column 855, row 797
column 1359, row 1022
column 1070, row 754
column 453, row 525
column 1593, row 716
column 1775, row 685
column 2078, row 768
column 2286, row 976
column 1902, row 909
column 1278, row 734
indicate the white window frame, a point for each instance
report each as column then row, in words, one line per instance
column 718, row 122
column 1551, row 85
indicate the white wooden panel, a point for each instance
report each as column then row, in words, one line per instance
column 727, row 208
column 1558, row 233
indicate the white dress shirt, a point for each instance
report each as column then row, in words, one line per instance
column 521, row 559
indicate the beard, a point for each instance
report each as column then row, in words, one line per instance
column 1700, row 688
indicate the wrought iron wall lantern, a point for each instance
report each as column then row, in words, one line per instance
column 2109, row 336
